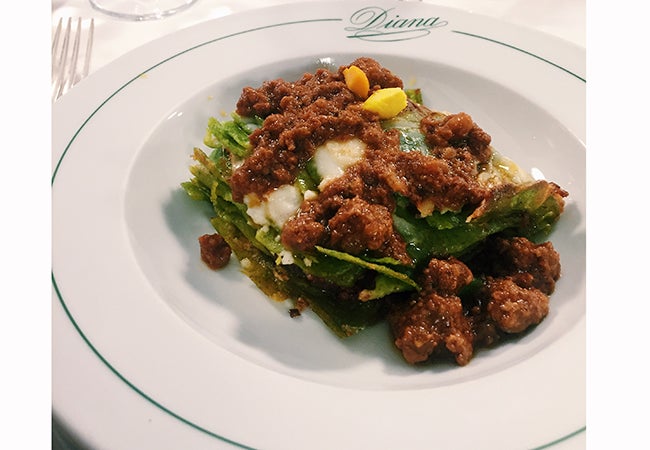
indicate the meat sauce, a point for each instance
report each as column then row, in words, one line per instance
column 215, row 252
column 519, row 277
column 353, row 213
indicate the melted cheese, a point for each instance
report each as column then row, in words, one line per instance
column 333, row 157
column 277, row 208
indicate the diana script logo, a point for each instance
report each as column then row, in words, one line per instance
column 383, row 25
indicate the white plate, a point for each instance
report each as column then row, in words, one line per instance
column 153, row 350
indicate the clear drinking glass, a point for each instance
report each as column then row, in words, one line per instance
column 141, row 9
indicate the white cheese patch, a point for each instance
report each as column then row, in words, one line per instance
column 333, row 157
column 256, row 209
column 283, row 203
column 286, row 257
column 277, row 208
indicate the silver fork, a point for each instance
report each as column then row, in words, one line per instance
column 65, row 64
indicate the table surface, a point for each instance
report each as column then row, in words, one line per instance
column 114, row 37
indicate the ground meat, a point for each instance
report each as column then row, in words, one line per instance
column 301, row 232
column 352, row 213
column 519, row 275
column 300, row 116
column 215, row 252
column 462, row 146
column 352, row 225
column 359, row 226
column 287, row 141
column 529, row 264
column 263, row 101
column 436, row 316
column 445, row 276
column 423, row 179
column 430, row 324
column 435, row 182
column 459, row 132
column 508, row 300
column 514, row 308
column 486, row 331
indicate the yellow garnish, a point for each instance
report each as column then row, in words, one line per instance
column 357, row 81
column 387, row 102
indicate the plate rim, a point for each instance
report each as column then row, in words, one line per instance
column 57, row 294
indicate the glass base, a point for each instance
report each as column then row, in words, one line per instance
column 141, row 9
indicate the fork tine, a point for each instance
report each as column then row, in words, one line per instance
column 63, row 56
column 55, row 45
column 67, row 54
column 89, row 47
column 72, row 74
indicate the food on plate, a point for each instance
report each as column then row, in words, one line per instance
column 342, row 193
